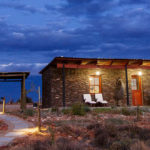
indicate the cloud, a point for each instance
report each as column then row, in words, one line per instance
column 21, row 7
column 87, row 28
column 27, row 67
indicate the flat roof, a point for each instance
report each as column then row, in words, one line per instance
column 13, row 75
column 71, row 62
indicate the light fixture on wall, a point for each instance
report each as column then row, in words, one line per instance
column 90, row 79
column 97, row 73
column 140, row 73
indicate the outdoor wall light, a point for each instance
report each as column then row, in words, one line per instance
column 90, row 79
column 97, row 73
column 140, row 73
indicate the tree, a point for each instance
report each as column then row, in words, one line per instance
column 119, row 91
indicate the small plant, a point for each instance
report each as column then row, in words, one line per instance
column 116, row 121
column 107, row 110
column 119, row 91
column 52, row 133
column 66, row 111
column 54, row 109
column 29, row 112
column 129, row 112
column 86, row 108
column 78, row 109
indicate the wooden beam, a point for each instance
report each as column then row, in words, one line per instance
column 10, row 80
column 102, row 66
column 146, row 63
column 119, row 63
column 23, row 94
column 104, row 62
column 84, row 62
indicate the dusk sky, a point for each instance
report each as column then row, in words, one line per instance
column 33, row 32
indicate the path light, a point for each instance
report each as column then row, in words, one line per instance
column 140, row 73
column 97, row 73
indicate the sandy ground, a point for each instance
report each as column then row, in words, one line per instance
column 12, row 107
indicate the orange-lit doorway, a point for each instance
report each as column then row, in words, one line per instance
column 136, row 84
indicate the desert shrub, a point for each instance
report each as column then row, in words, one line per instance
column 119, row 91
column 127, row 112
column 123, row 144
column 54, row 109
column 65, row 144
column 106, row 110
column 29, row 112
column 86, row 108
column 144, row 134
column 116, row 121
column 101, row 138
column 52, row 135
column 66, row 111
column 78, row 109
column 93, row 126
column 140, row 145
column 112, row 130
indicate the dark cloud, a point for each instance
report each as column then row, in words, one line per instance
column 21, row 7
column 91, row 28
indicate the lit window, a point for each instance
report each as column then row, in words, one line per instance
column 95, row 84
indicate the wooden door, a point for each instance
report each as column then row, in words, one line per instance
column 136, row 84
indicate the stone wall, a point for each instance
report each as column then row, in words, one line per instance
column 77, row 84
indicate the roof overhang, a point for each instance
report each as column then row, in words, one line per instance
column 97, row 63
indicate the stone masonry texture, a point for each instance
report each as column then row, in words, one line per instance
column 77, row 84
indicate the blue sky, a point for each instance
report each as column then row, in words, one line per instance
column 33, row 32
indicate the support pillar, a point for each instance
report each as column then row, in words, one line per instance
column 127, row 86
column 23, row 94
column 63, row 84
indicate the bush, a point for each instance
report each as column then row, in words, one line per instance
column 116, row 121
column 54, row 109
column 86, row 108
column 78, row 109
column 101, row 137
column 123, row 144
column 129, row 112
column 65, row 144
column 66, row 111
column 29, row 112
column 107, row 110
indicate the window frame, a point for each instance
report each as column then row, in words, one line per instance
column 100, row 86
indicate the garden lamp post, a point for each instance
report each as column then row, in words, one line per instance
column 3, row 99
column 39, row 111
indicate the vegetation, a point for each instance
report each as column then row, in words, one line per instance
column 119, row 91
column 106, row 110
column 77, row 109
column 82, row 128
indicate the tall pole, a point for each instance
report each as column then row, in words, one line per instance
column 3, row 105
column 39, row 111
column 63, row 84
column 23, row 93
column 127, row 86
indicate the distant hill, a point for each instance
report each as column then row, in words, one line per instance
column 11, row 90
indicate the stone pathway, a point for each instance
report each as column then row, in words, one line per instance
column 17, row 127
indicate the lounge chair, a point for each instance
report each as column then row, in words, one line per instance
column 99, row 99
column 88, row 100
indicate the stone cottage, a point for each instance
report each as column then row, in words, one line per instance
column 65, row 80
